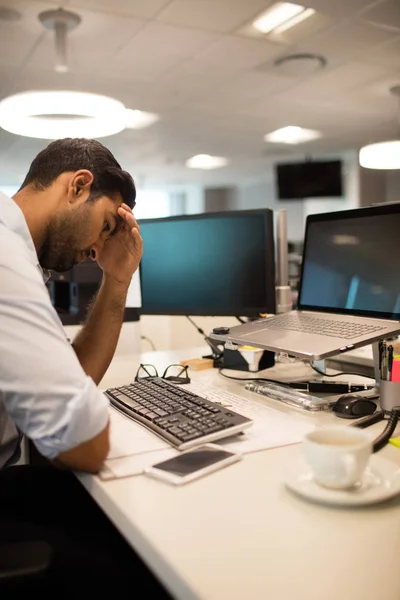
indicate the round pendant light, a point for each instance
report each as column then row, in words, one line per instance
column 59, row 114
column 382, row 155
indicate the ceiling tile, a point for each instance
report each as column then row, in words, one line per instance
column 215, row 15
column 327, row 84
column 137, row 8
column 19, row 38
column 89, row 34
column 348, row 39
column 158, row 40
column 234, row 54
column 184, row 83
column 340, row 8
column 385, row 54
column 386, row 14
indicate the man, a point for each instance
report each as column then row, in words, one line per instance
column 75, row 202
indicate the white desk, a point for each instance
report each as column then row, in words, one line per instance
column 240, row 534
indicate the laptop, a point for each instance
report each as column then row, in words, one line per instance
column 349, row 293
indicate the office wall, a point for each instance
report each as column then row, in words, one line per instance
column 263, row 194
column 393, row 186
column 352, row 191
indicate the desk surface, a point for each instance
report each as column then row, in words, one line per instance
column 239, row 533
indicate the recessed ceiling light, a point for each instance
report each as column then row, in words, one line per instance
column 138, row 119
column 205, row 161
column 280, row 16
column 292, row 135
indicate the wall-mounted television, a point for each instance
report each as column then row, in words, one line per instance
column 309, row 179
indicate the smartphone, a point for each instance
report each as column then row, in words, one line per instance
column 192, row 464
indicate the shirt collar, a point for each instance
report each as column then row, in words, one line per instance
column 12, row 216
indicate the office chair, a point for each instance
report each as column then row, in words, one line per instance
column 23, row 564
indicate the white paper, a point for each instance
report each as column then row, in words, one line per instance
column 133, row 447
column 128, row 437
column 135, row 464
column 270, row 429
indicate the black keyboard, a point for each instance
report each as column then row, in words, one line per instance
column 176, row 415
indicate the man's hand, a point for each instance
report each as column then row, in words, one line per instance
column 121, row 253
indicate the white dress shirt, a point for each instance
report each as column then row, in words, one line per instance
column 44, row 392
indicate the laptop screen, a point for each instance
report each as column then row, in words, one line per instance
column 351, row 262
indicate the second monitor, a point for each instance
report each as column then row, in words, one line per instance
column 211, row 264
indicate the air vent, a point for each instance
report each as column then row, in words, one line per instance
column 300, row 65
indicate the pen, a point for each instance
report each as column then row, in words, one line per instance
column 390, row 363
column 330, row 387
column 384, row 361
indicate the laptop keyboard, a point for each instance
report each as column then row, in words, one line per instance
column 316, row 325
column 178, row 416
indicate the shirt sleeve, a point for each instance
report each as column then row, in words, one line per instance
column 45, row 390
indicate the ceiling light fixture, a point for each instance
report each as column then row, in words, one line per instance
column 60, row 21
column 137, row 119
column 59, row 114
column 281, row 16
column 292, row 134
column 205, row 161
column 308, row 12
column 382, row 155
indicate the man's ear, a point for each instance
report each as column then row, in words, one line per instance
column 79, row 186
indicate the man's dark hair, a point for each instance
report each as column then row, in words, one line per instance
column 72, row 154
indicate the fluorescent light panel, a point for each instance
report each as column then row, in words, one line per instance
column 291, row 135
column 205, row 161
column 309, row 12
column 281, row 14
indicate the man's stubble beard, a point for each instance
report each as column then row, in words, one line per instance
column 62, row 246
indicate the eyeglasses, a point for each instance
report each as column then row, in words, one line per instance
column 174, row 373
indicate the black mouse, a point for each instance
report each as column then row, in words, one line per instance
column 351, row 406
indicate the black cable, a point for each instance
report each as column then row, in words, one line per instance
column 216, row 352
column 143, row 337
column 387, row 433
column 194, row 325
column 364, row 422
column 338, row 374
column 241, row 320
column 252, row 378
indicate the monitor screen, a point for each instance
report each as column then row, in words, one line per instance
column 211, row 264
column 312, row 179
column 350, row 262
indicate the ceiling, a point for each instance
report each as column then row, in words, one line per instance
column 215, row 87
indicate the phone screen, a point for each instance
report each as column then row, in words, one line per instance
column 190, row 462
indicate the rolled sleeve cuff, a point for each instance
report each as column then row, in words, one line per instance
column 86, row 415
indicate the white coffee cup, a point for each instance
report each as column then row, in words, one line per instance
column 337, row 455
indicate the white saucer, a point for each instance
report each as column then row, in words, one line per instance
column 381, row 481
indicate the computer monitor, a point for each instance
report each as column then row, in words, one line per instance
column 211, row 264
column 350, row 262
